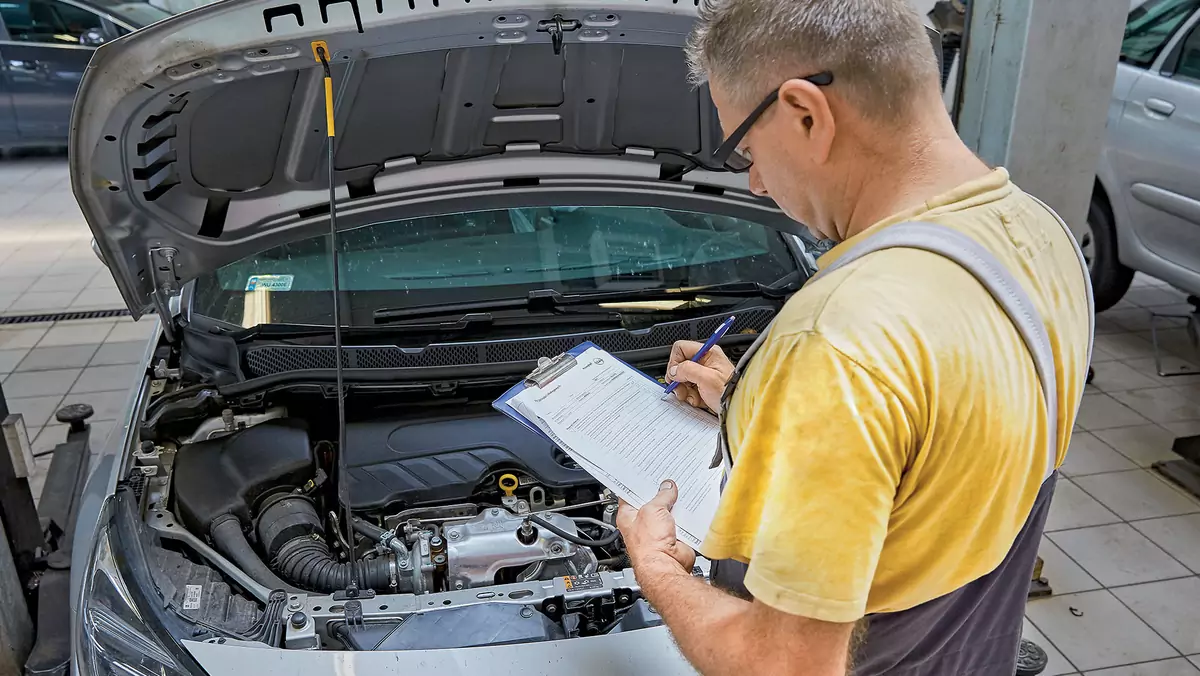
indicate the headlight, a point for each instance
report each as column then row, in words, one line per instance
column 119, row 634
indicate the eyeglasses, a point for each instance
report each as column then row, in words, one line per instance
column 738, row 161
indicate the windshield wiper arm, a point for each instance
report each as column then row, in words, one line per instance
column 547, row 300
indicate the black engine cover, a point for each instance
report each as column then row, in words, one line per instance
column 444, row 459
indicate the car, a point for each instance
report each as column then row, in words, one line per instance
column 45, row 46
column 1144, row 214
column 509, row 179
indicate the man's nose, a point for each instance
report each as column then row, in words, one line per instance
column 756, row 184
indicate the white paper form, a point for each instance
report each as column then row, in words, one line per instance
column 613, row 422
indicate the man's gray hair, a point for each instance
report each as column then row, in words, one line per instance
column 878, row 50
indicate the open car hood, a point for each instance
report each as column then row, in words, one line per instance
column 201, row 140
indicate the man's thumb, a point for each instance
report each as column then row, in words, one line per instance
column 668, row 493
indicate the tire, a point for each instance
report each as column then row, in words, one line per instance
column 1110, row 279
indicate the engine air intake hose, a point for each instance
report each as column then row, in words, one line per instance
column 291, row 531
column 228, row 537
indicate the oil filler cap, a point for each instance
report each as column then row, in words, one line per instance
column 508, row 484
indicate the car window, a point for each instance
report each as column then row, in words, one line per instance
column 1189, row 57
column 1150, row 26
column 493, row 254
column 47, row 21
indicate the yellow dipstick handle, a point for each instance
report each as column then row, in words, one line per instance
column 321, row 53
column 508, row 484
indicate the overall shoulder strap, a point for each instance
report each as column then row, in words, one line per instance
column 994, row 277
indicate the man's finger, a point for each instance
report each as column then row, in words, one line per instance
column 626, row 515
column 691, row 372
column 668, row 493
column 681, row 351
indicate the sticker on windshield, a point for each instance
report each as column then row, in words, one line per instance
column 191, row 599
column 269, row 283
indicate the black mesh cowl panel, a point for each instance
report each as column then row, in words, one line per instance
column 271, row 359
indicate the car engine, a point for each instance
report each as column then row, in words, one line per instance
column 464, row 519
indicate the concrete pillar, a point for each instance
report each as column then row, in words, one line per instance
column 1038, row 78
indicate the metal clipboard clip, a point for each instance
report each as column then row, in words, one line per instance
column 550, row 368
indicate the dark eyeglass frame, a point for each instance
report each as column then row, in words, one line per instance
column 727, row 156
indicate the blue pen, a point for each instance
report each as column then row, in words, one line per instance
column 717, row 335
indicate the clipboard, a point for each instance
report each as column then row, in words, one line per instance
column 548, row 369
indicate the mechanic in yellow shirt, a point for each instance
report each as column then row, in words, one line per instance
column 890, row 439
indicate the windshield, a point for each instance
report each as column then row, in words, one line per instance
column 1150, row 26
column 490, row 255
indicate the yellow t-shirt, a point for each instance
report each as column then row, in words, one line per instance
column 890, row 436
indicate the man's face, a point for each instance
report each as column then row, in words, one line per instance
column 784, row 168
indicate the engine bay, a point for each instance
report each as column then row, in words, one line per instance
column 466, row 529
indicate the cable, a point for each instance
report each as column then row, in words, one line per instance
column 579, row 540
column 595, row 522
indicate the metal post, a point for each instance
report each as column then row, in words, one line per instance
column 20, row 537
column 1037, row 81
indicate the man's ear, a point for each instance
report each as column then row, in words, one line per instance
column 809, row 114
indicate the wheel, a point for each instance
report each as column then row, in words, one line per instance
column 1031, row 660
column 1110, row 279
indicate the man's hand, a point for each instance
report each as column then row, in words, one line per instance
column 700, row 383
column 649, row 533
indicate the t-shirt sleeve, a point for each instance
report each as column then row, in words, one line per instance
column 815, row 478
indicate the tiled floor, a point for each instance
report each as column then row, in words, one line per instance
column 1122, row 548
column 1122, row 545
column 47, row 265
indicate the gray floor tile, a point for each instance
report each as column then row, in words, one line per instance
column 1195, row 660
column 1170, row 364
column 1155, row 296
column 1056, row 664
column 1172, row 608
column 1090, row 455
column 1176, row 667
column 126, row 330
column 1115, row 376
column 48, row 437
column 1140, row 319
column 1178, row 535
column 1100, row 355
column 1101, row 411
column 1137, row 495
column 1118, row 555
column 77, row 333
column 1161, row 404
column 1143, row 444
column 13, row 338
column 111, row 378
column 66, row 356
column 108, row 405
column 1100, row 633
column 1186, row 428
column 99, row 298
column 1065, row 576
column 130, row 352
column 10, row 358
column 48, row 301
column 7, row 299
column 40, row 383
column 74, row 283
column 1125, row 346
column 35, row 410
column 1073, row 508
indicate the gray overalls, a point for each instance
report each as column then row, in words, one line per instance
column 975, row 629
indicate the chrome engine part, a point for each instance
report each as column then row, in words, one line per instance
column 496, row 539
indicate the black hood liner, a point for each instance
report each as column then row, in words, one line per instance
column 444, row 105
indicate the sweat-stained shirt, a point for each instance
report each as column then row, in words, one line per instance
column 890, row 437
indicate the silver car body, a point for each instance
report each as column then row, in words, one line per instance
column 1150, row 165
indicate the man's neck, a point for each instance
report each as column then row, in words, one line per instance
column 927, row 166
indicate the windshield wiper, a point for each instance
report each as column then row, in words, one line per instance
column 549, row 300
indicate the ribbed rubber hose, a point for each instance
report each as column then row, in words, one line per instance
column 227, row 535
column 310, row 564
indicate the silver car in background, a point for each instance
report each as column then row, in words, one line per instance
column 1145, row 211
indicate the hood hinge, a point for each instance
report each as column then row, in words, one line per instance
column 166, row 285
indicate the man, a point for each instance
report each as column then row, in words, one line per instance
column 890, row 439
